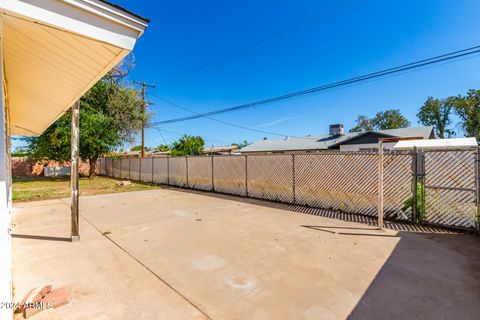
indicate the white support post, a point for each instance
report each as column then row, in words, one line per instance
column 380, row 184
column 74, row 175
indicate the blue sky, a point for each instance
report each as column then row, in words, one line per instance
column 206, row 55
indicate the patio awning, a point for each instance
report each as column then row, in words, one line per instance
column 55, row 50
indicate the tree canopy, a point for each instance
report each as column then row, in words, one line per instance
column 187, row 146
column 110, row 115
column 468, row 110
column 363, row 124
column 242, row 144
column 162, row 148
column 383, row 120
column 436, row 112
column 389, row 119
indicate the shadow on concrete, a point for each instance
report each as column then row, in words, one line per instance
column 325, row 229
column 339, row 215
column 35, row 237
column 427, row 276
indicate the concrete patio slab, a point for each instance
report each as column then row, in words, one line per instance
column 170, row 254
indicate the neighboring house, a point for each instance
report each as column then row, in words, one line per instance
column 51, row 53
column 437, row 144
column 337, row 139
column 132, row 154
column 221, row 150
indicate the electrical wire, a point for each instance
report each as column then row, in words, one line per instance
column 405, row 67
column 226, row 122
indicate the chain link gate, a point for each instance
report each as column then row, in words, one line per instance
column 451, row 188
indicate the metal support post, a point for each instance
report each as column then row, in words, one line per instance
column 415, row 184
column 293, row 180
column 246, row 175
column 380, row 184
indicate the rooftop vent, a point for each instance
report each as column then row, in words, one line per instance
column 336, row 130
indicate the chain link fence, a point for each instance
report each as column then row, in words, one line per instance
column 431, row 187
column 451, row 188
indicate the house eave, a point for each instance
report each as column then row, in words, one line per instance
column 93, row 19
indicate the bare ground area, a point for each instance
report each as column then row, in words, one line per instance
column 42, row 188
column 169, row 254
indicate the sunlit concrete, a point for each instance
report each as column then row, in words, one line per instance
column 170, row 254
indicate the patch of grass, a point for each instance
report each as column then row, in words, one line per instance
column 42, row 188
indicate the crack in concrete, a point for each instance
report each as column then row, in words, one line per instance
column 146, row 267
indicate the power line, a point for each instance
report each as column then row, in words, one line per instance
column 224, row 122
column 377, row 74
column 179, row 134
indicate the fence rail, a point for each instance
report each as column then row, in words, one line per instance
column 432, row 187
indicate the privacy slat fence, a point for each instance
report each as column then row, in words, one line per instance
column 431, row 187
column 451, row 187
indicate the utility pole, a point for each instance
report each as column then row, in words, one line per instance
column 144, row 86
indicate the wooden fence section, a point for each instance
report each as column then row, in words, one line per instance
column 432, row 187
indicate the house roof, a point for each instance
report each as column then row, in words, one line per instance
column 324, row 142
column 146, row 20
column 221, row 149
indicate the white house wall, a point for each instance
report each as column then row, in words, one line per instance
column 5, row 197
column 357, row 147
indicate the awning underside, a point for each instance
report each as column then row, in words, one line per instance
column 47, row 70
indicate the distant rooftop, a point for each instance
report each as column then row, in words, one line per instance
column 329, row 141
column 451, row 143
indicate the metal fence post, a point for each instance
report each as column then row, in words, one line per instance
column 293, row 180
column 120, row 170
column 246, row 175
column 140, row 169
column 186, row 168
column 477, row 190
column 380, row 184
column 415, row 184
column 153, row 166
column 129, row 168
column 168, row 170
column 213, row 176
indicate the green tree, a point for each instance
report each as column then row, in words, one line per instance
column 468, row 110
column 436, row 113
column 363, row 124
column 188, row 146
column 162, row 148
column 109, row 116
column 389, row 119
column 242, row 144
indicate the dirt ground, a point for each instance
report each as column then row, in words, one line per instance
column 42, row 188
column 170, row 254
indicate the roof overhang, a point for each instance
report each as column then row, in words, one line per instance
column 432, row 144
column 55, row 50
